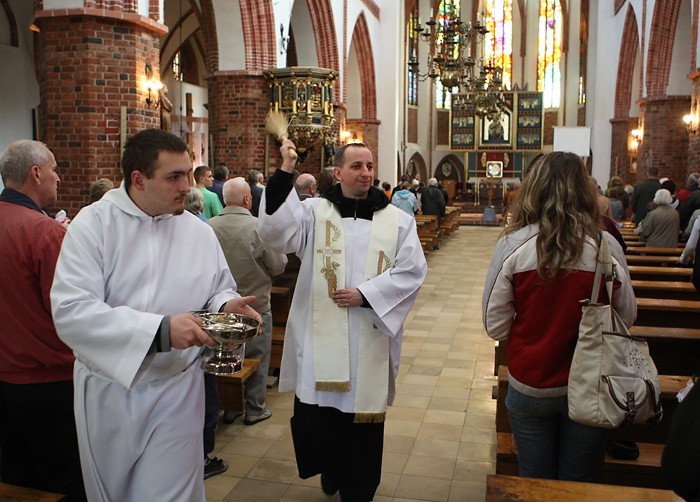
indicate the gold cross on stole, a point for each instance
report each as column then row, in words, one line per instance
column 330, row 266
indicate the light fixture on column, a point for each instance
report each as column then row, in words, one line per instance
column 152, row 85
column 690, row 123
column 635, row 140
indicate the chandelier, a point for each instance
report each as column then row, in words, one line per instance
column 453, row 45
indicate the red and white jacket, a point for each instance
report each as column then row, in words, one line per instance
column 540, row 319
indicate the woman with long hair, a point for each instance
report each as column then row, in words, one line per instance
column 542, row 268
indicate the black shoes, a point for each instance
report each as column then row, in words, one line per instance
column 214, row 466
column 328, row 485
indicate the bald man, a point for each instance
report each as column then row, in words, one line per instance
column 306, row 186
column 252, row 266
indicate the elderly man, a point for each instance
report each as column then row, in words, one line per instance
column 126, row 279
column 306, row 186
column 432, row 201
column 362, row 266
column 37, row 425
column 251, row 264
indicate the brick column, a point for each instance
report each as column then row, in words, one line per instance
column 91, row 64
column 238, row 103
column 694, row 139
column 665, row 141
column 370, row 134
column 620, row 154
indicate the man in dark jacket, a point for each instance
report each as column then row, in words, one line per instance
column 644, row 192
column 432, row 201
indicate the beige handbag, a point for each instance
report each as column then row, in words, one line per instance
column 613, row 381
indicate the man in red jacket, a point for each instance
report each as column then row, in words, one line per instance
column 37, row 426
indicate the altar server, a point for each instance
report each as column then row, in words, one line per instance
column 362, row 267
column 131, row 267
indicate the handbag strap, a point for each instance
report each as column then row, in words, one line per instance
column 604, row 267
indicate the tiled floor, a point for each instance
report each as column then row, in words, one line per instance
column 440, row 439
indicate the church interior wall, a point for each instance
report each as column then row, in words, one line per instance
column 229, row 32
column 19, row 89
column 323, row 32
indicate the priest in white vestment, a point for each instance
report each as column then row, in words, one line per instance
column 362, row 266
column 131, row 267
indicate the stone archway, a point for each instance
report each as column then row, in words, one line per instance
column 622, row 123
column 417, row 168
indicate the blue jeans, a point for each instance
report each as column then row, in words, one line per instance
column 550, row 445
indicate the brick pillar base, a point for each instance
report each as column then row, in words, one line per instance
column 238, row 103
column 620, row 155
column 89, row 68
column 665, row 141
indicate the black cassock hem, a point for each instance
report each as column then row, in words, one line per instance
column 327, row 441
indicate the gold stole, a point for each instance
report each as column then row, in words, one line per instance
column 331, row 349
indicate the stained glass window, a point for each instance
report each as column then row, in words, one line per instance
column 412, row 91
column 549, row 52
column 446, row 10
column 177, row 67
column 498, row 42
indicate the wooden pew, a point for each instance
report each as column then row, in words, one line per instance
column 643, row 250
column 641, row 244
column 665, row 312
column 500, row 488
column 650, row 273
column 232, row 387
column 12, row 493
column 665, row 289
column 428, row 230
column 652, row 260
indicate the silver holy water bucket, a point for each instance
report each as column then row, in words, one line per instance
column 231, row 331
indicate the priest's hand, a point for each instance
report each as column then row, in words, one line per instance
column 186, row 331
column 289, row 155
column 347, row 298
column 241, row 305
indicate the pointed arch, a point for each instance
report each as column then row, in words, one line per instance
column 453, row 172
column 259, row 36
column 12, row 22
column 417, row 168
column 207, row 23
column 363, row 47
column 625, row 65
column 661, row 38
column 326, row 41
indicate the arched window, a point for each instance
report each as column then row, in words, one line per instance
column 551, row 27
column 498, row 42
column 177, row 67
column 448, row 11
column 413, row 37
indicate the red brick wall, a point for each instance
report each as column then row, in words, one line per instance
column 238, row 103
column 620, row 154
column 663, row 31
column 694, row 139
column 363, row 46
column 665, row 141
column 625, row 69
column 92, row 66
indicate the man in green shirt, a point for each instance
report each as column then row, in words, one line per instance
column 204, row 180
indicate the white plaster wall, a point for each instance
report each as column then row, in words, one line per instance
column 303, row 35
column 230, row 32
column 19, row 90
column 62, row 4
column 603, row 53
column 678, row 83
column 572, row 62
column 354, row 88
